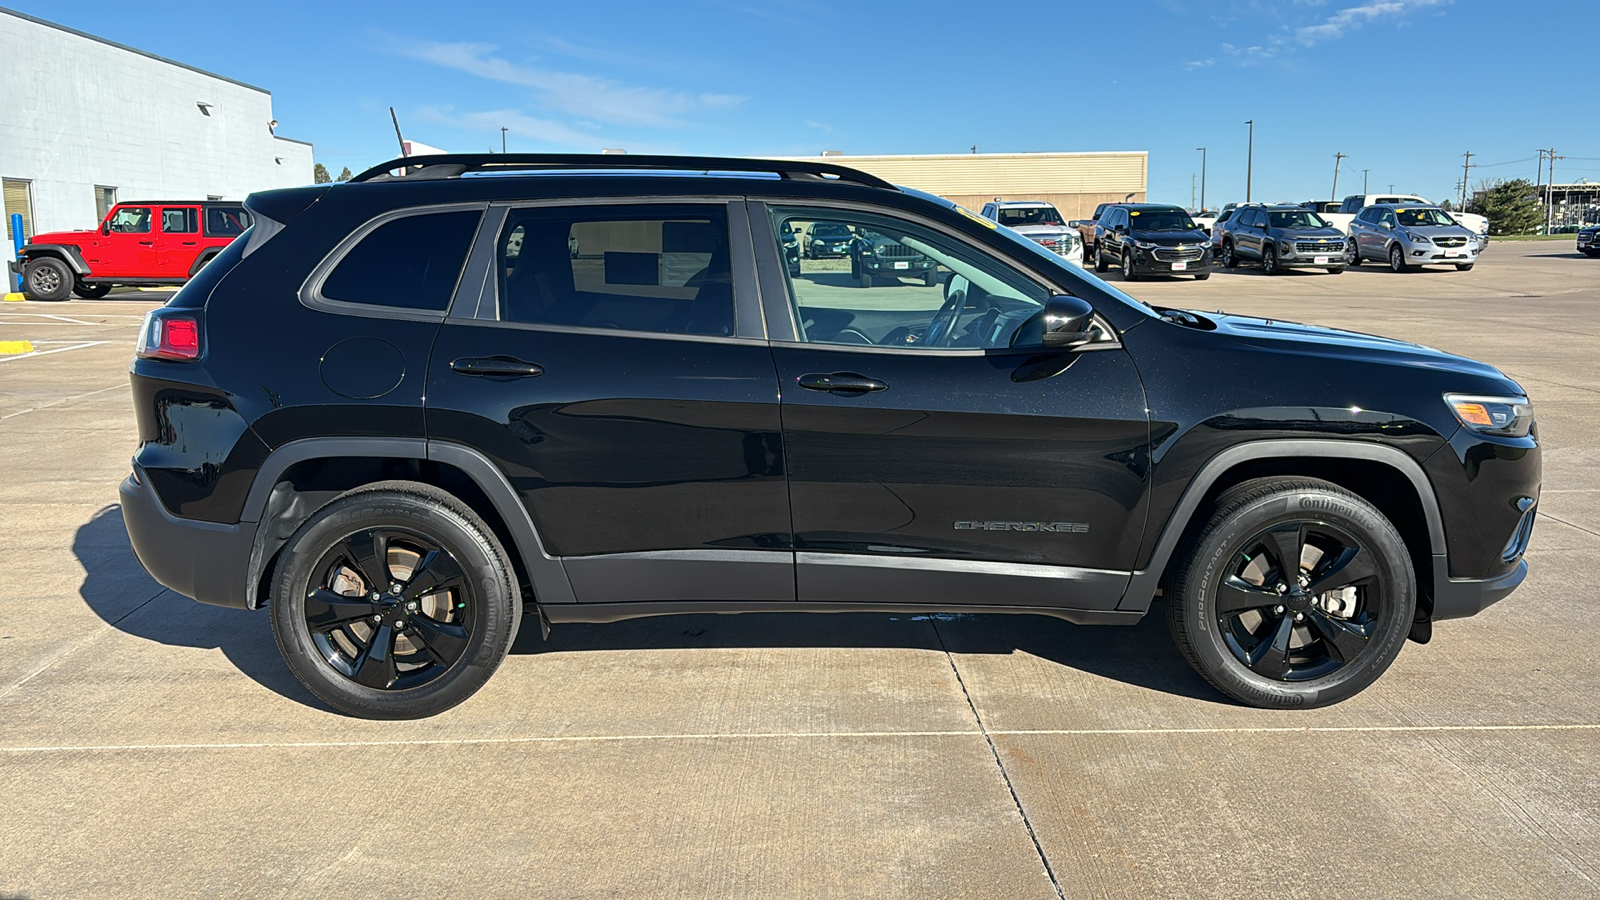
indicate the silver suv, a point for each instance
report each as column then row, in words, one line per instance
column 1409, row 235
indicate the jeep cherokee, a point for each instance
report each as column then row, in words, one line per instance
column 448, row 439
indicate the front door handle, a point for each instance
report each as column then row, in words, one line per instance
column 842, row 383
column 503, row 366
column 147, row 243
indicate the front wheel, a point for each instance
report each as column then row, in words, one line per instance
column 395, row 601
column 1202, row 275
column 1099, row 259
column 1352, row 253
column 930, row 278
column 1397, row 258
column 1128, row 274
column 1269, row 261
column 1230, row 257
column 47, row 278
column 1296, row 594
column 1464, row 267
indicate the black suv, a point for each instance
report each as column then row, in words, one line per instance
column 371, row 417
column 1151, row 239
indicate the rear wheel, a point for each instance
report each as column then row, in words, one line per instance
column 47, row 278
column 91, row 291
column 1397, row 258
column 395, row 601
column 1296, row 594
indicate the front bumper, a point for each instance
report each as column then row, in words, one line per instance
column 1434, row 255
column 1588, row 241
column 828, row 251
column 203, row 560
column 1458, row 598
column 1333, row 259
column 1145, row 262
column 877, row 265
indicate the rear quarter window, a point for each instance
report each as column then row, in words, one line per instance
column 412, row 262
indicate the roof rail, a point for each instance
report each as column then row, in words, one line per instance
column 455, row 165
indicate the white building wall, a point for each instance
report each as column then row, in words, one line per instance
column 76, row 112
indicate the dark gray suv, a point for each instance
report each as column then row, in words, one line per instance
column 1281, row 238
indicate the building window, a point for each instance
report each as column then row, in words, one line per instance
column 18, row 201
column 104, row 199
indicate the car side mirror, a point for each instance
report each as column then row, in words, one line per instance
column 105, row 227
column 1067, row 322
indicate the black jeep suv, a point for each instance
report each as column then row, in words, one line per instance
column 371, row 417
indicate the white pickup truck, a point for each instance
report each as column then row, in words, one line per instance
column 1354, row 203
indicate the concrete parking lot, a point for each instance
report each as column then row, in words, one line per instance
column 152, row 746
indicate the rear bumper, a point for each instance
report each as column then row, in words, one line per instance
column 203, row 560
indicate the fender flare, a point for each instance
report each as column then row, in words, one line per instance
column 67, row 253
column 546, row 572
column 1142, row 586
column 206, row 255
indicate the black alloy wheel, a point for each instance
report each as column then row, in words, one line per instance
column 47, row 278
column 1352, row 253
column 1297, row 594
column 394, row 601
column 1230, row 258
column 1397, row 258
column 91, row 291
column 1269, row 260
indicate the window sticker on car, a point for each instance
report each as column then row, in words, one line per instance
column 1133, row 212
column 976, row 218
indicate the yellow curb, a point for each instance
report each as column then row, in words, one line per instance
column 16, row 298
column 10, row 347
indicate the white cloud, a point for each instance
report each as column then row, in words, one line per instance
column 601, row 99
column 544, row 131
column 1353, row 17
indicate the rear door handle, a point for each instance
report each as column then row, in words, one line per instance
column 842, row 383
column 147, row 243
column 190, row 243
column 503, row 366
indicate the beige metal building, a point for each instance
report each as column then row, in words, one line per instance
column 1074, row 182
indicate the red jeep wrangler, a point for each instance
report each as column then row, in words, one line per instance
column 147, row 243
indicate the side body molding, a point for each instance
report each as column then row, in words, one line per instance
column 1142, row 587
column 546, row 572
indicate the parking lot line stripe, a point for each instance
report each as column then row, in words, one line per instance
column 56, row 350
column 769, row 735
column 61, row 401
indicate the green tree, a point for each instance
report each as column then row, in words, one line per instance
column 1445, row 205
column 1512, row 206
column 319, row 174
column 344, row 174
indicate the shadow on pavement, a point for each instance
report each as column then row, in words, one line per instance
column 117, row 588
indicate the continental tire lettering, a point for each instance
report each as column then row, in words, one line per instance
column 1321, row 503
column 1051, row 527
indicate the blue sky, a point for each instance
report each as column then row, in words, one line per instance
column 1402, row 86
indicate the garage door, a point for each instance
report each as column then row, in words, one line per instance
column 19, row 199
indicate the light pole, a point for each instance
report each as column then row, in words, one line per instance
column 502, row 139
column 1202, row 178
column 1250, row 160
column 1337, row 158
column 1364, row 180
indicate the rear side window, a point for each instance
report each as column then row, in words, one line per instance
column 408, row 263
column 659, row 268
column 226, row 221
column 179, row 220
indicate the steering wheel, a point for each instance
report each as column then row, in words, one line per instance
column 944, row 320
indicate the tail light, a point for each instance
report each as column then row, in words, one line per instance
column 170, row 333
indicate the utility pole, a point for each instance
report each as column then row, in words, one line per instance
column 1191, row 190
column 396, row 120
column 1550, row 202
column 1466, row 175
column 1337, row 158
column 1250, row 160
column 502, row 139
column 1202, row 177
column 1364, row 180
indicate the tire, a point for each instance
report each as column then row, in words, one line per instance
column 1397, row 259
column 1352, row 253
column 1345, row 640
column 91, row 291
column 455, row 637
column 1336, row 270
column 930, row 278
column 1464, row 267
column 1592, row 254
column 1128, row 274
column 48, row 279
column 1202, row 276
column 864, row 279
column 1269, row 261
column 1099, row 260
column 1230, row 256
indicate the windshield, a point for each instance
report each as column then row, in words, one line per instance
column 1297, row 218
column 1013, row 217
column 830, row 230
column 1160, row 220
column 1417, row 217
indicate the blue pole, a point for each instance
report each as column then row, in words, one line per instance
column 17, row 240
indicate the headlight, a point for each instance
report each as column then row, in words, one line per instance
column 1506, row 416
column 1415, row 238
column 1285, row 247
column 1144, row 245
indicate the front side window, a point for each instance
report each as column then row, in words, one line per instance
column 130, row 220
column 180, row 220
column 654, row 267
column 412, row 262
column 1387, row 218
column 899, row 284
